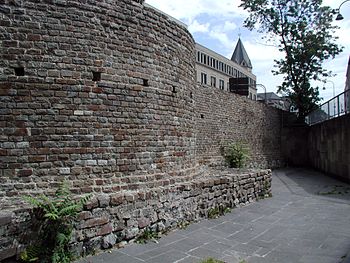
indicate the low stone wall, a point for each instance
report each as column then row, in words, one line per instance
column 109, row 219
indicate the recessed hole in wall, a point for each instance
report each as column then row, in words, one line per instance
column 191, row 95
column 145, row 82
column 96, row 76
column 202, row 116
column 174, row 89
column 19, row 71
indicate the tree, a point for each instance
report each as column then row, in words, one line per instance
column 304, row 32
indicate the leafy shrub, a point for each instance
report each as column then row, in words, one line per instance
column 236, row 155
column 146, row 236
column 211, row 260
column 218, row 211
column 56, row 216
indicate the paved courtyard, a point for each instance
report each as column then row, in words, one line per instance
column 307, row 220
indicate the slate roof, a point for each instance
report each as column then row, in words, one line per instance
column 269, row 96
column 240, row 55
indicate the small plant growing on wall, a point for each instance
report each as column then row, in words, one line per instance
column 56, row 216
column 236, row 154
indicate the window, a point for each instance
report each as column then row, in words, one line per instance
column 222, row 84
column 213, row 82
column 198, row 56
column 204, row 78
column 96, row 76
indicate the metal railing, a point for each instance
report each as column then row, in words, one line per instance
column 335, row 107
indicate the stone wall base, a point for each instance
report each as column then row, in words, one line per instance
column 109, row 220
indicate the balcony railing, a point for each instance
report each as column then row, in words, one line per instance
column 335, row 107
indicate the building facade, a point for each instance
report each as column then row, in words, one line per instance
column 215, row 70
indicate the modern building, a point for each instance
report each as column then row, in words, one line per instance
column 272, row 99
column 215, row 70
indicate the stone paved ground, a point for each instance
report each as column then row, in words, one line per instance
column 296, row 225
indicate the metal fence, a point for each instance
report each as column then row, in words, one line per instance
column 335, row 107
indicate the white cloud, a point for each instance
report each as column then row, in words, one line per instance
column 229, row 26
column 187, row 10
column 196, row 27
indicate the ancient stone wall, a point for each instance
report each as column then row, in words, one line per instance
column 102, row 94
column 223, row 118
column 97, row 92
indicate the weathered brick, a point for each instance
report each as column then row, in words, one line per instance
column 24, row 172
column 95, row 222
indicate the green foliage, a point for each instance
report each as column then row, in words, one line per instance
column 215, row 212
column 56, row 215
column 336, row 190
column 303, row 31
column 31, row 254
column 266, row 192
column 147, row 235
column 236, row 155
column 211, row 260
column 183, row 224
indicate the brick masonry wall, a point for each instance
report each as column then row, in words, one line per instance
column 223, row 117
column 133, row 129
column 102, row 94
column 112, row 219
column 329, row 147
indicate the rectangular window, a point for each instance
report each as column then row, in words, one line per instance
column 222, row 84
column 213, row 82
column 198, row 56
column 204, row 78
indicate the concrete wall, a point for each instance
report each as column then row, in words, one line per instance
column 329, row 147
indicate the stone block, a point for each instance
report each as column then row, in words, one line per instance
column 94, row 222
column 5, row 218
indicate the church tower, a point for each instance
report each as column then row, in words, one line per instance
column 240, row 56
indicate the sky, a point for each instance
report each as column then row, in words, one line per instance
column 218, row 24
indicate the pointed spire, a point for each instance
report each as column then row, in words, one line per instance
column 240, row 55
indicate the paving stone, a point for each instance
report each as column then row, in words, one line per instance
column 229, row 227
column 189, row 259
column 218, row 246
column 168, row 257
column 204, row 253
column 187, row 244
